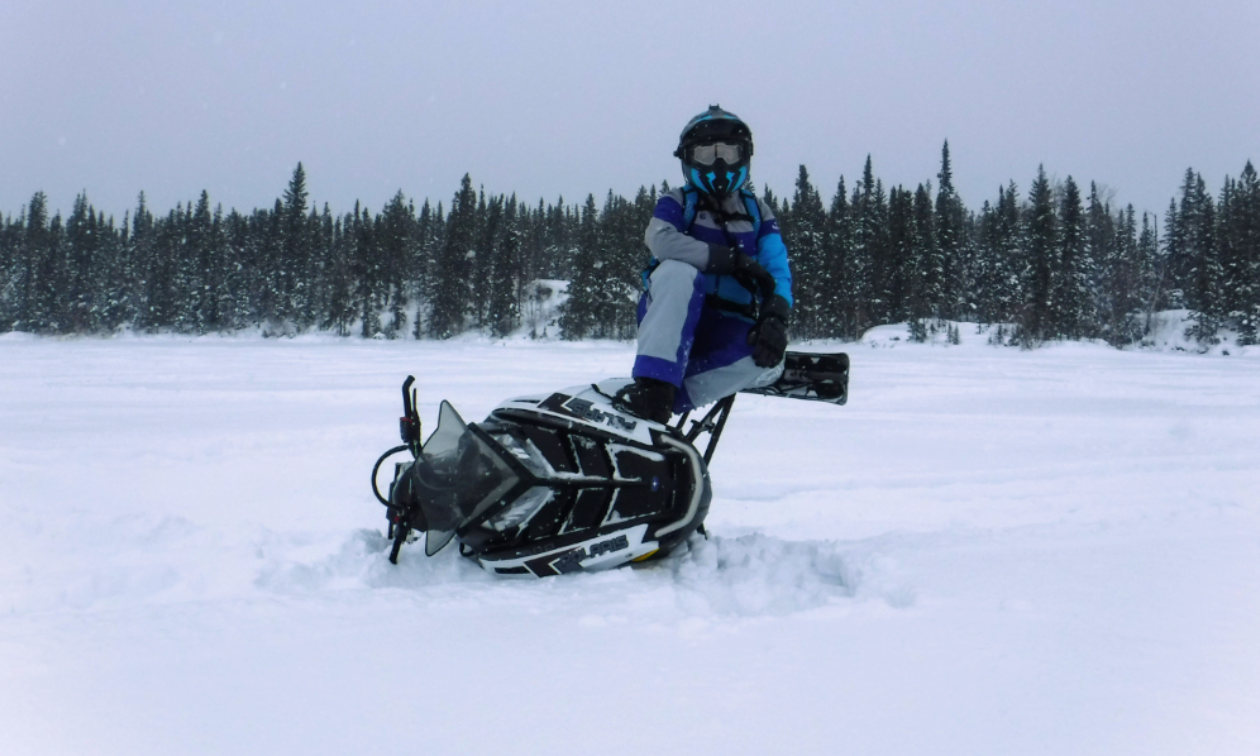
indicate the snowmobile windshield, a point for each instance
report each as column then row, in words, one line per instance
column 457, row 477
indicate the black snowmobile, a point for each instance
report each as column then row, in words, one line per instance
column 563, row 482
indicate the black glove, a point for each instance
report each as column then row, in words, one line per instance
column 768, row 337
column 724, row 261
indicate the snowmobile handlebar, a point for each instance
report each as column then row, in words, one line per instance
column 408, row 429
column 409, row 423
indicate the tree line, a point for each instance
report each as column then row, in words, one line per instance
column 1055, row 264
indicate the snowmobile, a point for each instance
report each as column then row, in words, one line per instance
column 564, row 482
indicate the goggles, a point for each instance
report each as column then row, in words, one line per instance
column 707, row 154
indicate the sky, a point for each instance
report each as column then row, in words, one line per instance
column 571, row 97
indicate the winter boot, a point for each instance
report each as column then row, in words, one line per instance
column 647, row 398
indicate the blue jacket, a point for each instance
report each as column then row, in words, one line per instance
column 668, row 238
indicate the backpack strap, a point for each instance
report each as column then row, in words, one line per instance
column 754, row 212
column 691, row 200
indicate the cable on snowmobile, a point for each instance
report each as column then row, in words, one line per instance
column 376, row 468
column 399, row 524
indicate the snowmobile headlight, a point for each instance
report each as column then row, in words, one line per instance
column 526, row 453
column 521, row 510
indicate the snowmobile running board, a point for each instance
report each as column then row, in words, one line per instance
column 817, row 377
column 810, row 377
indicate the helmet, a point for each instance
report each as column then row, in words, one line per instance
column 715, row 148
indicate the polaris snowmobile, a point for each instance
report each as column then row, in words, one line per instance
column 562, row 482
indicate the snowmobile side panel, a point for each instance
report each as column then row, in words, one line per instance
column 593, row 554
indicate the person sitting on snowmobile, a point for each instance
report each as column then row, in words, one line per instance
column 714, row 317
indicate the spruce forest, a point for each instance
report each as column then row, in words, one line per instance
column 1056, row 262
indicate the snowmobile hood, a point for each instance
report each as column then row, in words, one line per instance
column 589, row 406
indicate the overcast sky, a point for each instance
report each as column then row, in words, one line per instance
column 573, row 96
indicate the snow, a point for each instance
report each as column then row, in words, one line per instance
column 987, row 551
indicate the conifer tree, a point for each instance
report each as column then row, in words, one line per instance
column 926, row 265
column 600, row 291
column 155, row 258
column 291, row 270
column 1119, row 281
column 1243, row 271
column 1207, row 273
column 999, row 263
column 623, row 225
column 838, row 243
column 1072, row 313
column 339, row 312
column 948, row 267
column 486, row 224
column 112, row 308
column 140, row 255
column 534, row 242
column 1183, row 223
column 195, row 281
column 1102, row 245
column 1012, row 264
column 558, row 244
column 580, row 312
column 869, row 212
column 245, row 239
column 8, row 273
column 1037, row 322
column 1169, row 293
column 77, row 289
column 368, row 271
column 503, row 309
column 428, row 236
column 805, row 237
column 897, row 287
column 1152, row 269
column 54, row 273
column 227, row 273
column 449, row 295
column 322, row 227
column 34, row 249
column 395, row 241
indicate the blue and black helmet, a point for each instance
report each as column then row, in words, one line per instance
column 715, row 148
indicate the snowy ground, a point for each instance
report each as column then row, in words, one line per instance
column 987, row 551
